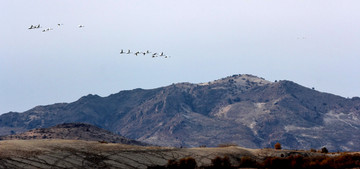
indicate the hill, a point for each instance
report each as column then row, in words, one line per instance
column 242, row 109
column 72, row 131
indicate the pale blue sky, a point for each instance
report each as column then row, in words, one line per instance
column 312, row 42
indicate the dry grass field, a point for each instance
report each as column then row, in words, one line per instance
column 92, row 154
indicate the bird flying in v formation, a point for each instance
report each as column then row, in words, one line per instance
column 147, row 52
column 34, row 27
column 153, row 55
column 49, row 29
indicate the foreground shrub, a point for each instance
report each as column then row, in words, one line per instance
column 324, row 150
column 320, row 162
column 172, row 164
column 187, row 163
column 248, row 162
column 277, row 146
column 276, row 162
column 290, row 162
column 184, row 163
column 219, row 162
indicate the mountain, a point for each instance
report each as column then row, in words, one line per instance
column 243, row 109
column 72, row 131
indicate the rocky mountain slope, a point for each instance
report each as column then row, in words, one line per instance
column 242, row 109
column 72, row 131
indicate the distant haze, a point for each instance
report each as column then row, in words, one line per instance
column 313, row 43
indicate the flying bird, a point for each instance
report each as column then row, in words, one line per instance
column 122, row 51
column 137, row 53
column 128, row 52
column 48, row 29
column 81, row 26
column 154, row 55
column 32, row 27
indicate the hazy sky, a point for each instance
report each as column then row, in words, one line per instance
column 315, row 43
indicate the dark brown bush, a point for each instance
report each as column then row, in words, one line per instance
column 277, row 146
column 187, row 163
column 320, row 162
column 290, row 162
column 172, row 164
column 219, row 162
column 324, row 150
column 248, row 162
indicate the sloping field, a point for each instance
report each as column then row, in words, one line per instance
column 91, row 154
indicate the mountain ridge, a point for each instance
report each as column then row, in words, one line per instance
column 243, row 109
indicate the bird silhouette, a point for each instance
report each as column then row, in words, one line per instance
column 48, row 29
column 31, row 27
column 154, row 55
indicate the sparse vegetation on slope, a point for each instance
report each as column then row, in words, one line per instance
column 92, row 154
column 72, row 131
column 241, row 109
column 291, row 162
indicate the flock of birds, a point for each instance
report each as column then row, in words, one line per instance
column 49, row 29
column 153, row 55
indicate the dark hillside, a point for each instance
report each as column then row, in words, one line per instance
column 72, row 131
